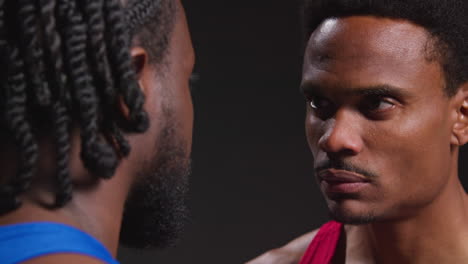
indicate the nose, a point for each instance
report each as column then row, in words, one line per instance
column 341, row 135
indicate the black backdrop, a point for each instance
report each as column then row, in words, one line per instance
column 252, row 183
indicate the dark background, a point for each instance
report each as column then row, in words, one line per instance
column 252, row 182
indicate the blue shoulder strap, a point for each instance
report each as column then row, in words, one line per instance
column 23, row 242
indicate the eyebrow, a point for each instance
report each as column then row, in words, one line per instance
column 380, row 90
column 372, row 90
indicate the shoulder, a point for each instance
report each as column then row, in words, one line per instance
column 64, row 258
column 291, row 253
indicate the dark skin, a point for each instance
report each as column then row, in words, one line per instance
column 376, row 101
column 97, row 206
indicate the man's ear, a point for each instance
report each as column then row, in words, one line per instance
column 139, row 58
column 460, row 127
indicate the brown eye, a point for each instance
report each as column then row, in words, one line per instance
column 376, row 105
column 321, row 107
column 384, row 105
column 380, row 105
column 319, row 103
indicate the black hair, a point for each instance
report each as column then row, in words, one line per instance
column 65, row 64
column 445, row 20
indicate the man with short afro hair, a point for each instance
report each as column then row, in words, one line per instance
column 386, row 84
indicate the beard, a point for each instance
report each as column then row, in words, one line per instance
column 345, row 217
column 156, row 209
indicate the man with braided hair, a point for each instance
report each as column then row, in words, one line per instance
column 95, row 130
column 386, row 85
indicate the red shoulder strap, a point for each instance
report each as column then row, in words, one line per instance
column 323, row 246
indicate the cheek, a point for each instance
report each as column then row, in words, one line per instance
column 312, row 127
column 413, row 152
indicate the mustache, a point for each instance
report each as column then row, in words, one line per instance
column 345, row 166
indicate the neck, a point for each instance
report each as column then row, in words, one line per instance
column 437, row 233
column 97, row 212
column 96, row 207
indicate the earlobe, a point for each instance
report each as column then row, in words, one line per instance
column 460, row 128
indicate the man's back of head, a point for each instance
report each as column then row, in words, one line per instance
column 97, row 116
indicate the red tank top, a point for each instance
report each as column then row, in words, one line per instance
column 323, row 246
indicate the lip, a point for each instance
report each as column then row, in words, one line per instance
column 341, row 176
column 340, row 181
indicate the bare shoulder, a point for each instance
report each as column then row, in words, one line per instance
column 291, row 253
column 64, row 258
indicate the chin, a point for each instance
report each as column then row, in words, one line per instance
column 348, row 213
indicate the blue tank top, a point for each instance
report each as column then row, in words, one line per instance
column 21, row 242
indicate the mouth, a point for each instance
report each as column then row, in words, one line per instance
column 341, row 181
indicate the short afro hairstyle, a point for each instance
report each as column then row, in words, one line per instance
column 445, row 20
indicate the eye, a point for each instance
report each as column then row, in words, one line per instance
column 321, row 107
column 319, row 103
column 384, row 105
column 377, row 104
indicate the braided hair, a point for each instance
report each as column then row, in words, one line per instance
column 67, row 62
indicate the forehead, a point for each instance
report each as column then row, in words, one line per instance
column 363, row 49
